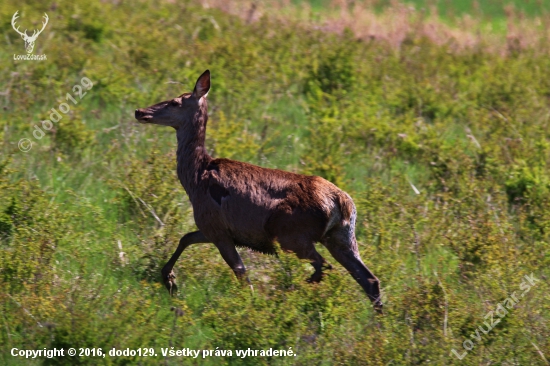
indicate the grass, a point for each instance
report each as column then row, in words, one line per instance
column 487, row 9
column 495, row 27
column 465, row 123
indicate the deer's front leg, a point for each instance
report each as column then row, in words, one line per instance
column 168, row 276
column 232, row 258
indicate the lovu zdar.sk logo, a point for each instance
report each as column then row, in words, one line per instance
column 29, row 40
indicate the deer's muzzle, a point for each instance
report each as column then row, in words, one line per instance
column 140, row 115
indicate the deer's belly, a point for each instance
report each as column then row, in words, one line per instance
column 242, row 223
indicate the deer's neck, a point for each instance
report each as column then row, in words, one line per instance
column 192, row 156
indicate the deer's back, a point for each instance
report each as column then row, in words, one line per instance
column 255, row 205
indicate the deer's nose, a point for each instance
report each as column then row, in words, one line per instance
column 138, row 114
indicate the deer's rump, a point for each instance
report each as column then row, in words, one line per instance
column 256, row 206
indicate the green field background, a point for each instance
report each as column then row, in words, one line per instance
column 443, row 149
column 489, row 9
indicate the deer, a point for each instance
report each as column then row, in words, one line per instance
column 236, row 204
column 29, row 40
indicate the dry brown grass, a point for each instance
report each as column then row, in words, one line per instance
column 400, row 22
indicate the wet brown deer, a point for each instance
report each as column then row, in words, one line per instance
column 237, row 204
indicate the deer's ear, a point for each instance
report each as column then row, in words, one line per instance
column 203, row 85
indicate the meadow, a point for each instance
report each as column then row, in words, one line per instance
column 487, row 9
column 443, row 143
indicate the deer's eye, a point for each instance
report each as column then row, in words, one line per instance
column 174, row 103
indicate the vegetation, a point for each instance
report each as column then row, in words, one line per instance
column 488, row 9
column 444, row 150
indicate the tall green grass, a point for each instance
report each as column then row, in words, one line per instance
column 81, row 252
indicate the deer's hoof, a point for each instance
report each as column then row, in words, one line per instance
column 315, row 278
column 170, row 282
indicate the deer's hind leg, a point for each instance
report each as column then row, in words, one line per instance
column 342, row 245
column 305, row 249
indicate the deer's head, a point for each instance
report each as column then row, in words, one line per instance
column 178, row 111
column 29, row 40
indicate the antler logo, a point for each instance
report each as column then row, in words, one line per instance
column 29, row 40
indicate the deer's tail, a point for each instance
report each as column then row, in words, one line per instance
column 347, row 208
